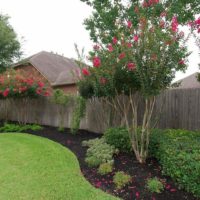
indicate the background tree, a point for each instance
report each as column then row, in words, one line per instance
column 139, row 48
column 9, row 44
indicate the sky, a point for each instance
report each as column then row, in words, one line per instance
column 55, row 25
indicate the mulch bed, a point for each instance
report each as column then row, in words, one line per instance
column 123, row 162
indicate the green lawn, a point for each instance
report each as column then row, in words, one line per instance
column 36, row 168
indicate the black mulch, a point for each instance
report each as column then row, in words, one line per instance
column 123, row 162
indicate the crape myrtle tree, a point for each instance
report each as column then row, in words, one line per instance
column 9, row 44
column 18, row 87
column 138, row 48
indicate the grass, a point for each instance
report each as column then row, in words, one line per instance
column 36, row 168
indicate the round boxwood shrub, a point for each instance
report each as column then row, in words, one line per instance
column 119, row 138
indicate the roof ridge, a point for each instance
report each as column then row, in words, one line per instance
column 187, row 76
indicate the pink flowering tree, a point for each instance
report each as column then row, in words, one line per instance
column 19, row 86
column 139, row 47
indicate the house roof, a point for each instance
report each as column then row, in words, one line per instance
column 188, row 82
column 58, row 70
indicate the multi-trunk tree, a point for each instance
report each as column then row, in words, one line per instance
column 138, row 48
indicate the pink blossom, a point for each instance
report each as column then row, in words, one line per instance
column 174, row 24
column 114, row 40
column 40, row 84
column 197, row 22
column 96, row 47
column 181, row 62
column 162, row 23
column 137, row 194
column 149, row 3
column 131, row 66
column 163, row 14
column 103, row 80
column 181, row 34
column 23, row 89
column 136, row 38
column 173, row 190
column 85, row 71
column 1, row 80
column 98, row 184
column 190, row 23
column 152, row 2
column 122, row 55
column 154, row 57
column 152, row 29
column 110, row 48
column 145, row 4
column 129, row 24
column 47, row 93
column 136, row 9
column 96, row 61
column 129, row 45
column 39, row 91
column 6, row 92
column 168, row 187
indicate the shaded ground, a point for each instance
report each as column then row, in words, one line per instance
column 127, row 163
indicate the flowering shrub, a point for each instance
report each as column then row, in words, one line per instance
column 18, row 83
column 139, row 47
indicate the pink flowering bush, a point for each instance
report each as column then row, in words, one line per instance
column 141, row 47
column 17, row 84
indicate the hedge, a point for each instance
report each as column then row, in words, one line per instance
column 178, row 151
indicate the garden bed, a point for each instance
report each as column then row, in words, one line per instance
column 123, row 162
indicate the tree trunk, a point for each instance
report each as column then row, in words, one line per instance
column 140, row 137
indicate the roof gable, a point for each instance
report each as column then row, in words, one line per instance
column 58, row 70
column 189, row 82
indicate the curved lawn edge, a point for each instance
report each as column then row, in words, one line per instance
column 33, row 167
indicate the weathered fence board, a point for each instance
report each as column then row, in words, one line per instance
column 180, row 109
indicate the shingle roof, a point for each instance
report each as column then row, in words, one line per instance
column 58, row 70
column 189, row 82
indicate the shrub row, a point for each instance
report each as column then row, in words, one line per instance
column 178, row 151
column 179, row 154
column 19, row 128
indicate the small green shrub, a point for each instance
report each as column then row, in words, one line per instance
column 61, row 99
column 179, row 154
column 19, row 128
column 78, row 113
column 154, row 185
column 105, row 168
column 118, row 137
column 34, row 127
column 99, row 152
column 89, row 143
column 61, row 129
column 121, row 179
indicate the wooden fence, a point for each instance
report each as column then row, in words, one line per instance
column 180, row 110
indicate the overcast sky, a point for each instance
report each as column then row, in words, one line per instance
column 55, row 25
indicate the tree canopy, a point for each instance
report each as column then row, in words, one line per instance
column 139, row 45
column 9, row 44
